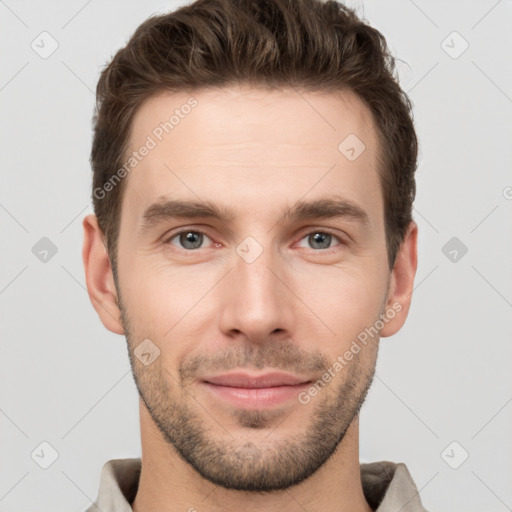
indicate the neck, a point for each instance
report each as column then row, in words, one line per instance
column 167, row 483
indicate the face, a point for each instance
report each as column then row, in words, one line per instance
column 252, row 257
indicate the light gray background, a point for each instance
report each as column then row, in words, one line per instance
column 445, row 377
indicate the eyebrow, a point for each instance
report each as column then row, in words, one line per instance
column 332, row 207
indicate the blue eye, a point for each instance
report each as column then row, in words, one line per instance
column 320, row 240
column 189, row 239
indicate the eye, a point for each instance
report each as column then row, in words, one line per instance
column 188, row 239
column 320, row 240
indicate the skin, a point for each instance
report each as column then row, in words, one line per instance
column 296, row 308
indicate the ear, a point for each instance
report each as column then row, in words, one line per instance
column 99, row 277
column 401, row 282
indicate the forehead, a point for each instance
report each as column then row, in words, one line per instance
column 250, row 143
column 241, row 115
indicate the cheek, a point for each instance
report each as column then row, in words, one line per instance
column 347, row 300
column 162, row 300
column 160, row 307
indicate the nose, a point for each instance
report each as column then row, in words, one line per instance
column 257, row 301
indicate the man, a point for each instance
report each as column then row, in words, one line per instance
column 253, row 183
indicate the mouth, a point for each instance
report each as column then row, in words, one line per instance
column 255, row 391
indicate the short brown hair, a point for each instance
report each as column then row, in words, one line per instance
column 313, row 45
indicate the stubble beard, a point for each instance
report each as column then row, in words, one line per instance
column 261, row 461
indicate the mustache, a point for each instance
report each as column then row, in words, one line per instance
column 280, row 355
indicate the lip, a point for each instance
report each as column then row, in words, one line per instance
column 244, row 390
column 246, row 380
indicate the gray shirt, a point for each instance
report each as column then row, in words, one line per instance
column 387, row 487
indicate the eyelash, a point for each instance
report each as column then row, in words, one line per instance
column 322, row 231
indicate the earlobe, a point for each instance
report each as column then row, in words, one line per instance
column 401, row 282
column 99, row 277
